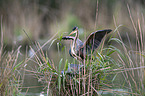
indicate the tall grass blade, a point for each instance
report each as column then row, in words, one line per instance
column 17, row 65
column 51, row 43
column 59, row 75
column 66, row 65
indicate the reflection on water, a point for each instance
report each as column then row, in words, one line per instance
column 30, row 53
column 112, row 92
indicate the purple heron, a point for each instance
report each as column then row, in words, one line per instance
column 80, row 50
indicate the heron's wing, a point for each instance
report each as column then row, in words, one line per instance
column 94, row 39
column 68, row 38
column 79, row 42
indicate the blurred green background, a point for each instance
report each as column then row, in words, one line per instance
column 41, row 19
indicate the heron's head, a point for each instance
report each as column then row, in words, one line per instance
column 75, row 30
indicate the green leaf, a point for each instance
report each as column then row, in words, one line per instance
column 60, row 38
column 17, row 65
column 49, row 65
column 63, row 48
column 1, row 84
column 66, row 66
column 50, row 68
column 110, row 52
column 59, row 76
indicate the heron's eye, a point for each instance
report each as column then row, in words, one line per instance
column 75, row 28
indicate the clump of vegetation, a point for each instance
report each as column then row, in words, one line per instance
column 10, row 75
column 87, row 80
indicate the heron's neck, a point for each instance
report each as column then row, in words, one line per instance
column 74, row 49
column 75, row 39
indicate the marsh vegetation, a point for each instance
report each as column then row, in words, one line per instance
column 33, row 54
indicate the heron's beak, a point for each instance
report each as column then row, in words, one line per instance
column 73, row 32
